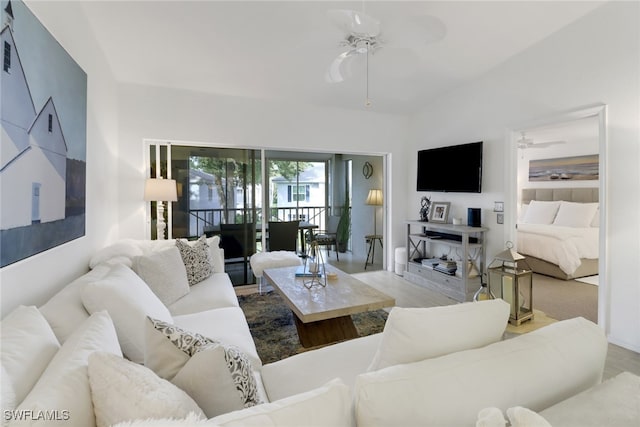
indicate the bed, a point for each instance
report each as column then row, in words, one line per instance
column 558, row 231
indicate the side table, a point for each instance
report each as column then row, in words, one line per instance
column 371, row 239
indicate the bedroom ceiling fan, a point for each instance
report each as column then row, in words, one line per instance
column 364, row 35
column 525, row 143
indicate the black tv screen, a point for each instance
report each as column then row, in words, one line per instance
column 455, row 169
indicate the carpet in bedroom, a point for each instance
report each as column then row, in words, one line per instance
column 565, row 299
column 273, row 329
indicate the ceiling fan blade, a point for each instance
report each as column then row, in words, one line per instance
column 339, row 68
column 354, row 22
column 414, row 33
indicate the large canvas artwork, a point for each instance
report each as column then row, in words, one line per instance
column 576, row 168
column 43, row 117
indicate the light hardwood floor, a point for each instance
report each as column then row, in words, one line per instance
column 408, row 294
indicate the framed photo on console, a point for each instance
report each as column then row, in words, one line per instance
column 440, row 212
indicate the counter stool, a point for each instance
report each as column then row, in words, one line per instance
column 274, row 259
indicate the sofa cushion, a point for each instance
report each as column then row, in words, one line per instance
column 65, row 311
column 534, row 370
column 64, row 385
column 128, row 300
column 27, row 345
column 227, row 325
column 329, row 405
column 216, row 291
column 165, row 274
column 123, row 252
column 221, row 380
column 614, row 402
column 413, row 334
column 122, row 390
column 294, row 374
column 197, row 259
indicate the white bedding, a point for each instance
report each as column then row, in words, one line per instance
column 563, row 246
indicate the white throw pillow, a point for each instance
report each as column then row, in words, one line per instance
column 129, row 301
column 572, row 214
column 191, row 420
column 197, row 259
column 209, row 381
column 7, row 393
column 217, row 254
column 63, row 389
column 413, row 334
column 221, row 380
column 165, row 274
column 122, row 390
column 329, row 405
column 27, row 345
column 595, row 222
column 540, row 212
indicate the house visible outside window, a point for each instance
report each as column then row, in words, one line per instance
column 298, row 193
column 7, row 57
column 50, row 123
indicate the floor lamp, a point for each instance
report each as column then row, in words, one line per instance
column 160, row 190
column 374, row 199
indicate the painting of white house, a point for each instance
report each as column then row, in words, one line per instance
column 43, row 140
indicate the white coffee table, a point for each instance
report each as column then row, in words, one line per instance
column 323, row 314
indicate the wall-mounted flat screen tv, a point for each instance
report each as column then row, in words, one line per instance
column 455, row 169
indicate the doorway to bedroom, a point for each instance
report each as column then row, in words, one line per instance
column 558, row 214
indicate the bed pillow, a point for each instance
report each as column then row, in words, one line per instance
column 8, row 400
column 27, row 345
column 64, row 385
column 572, row 214
column 540, row 212
column 197, row 259
column 122, row 390
column 165, row 274
column 414, row 334
column 129, row 301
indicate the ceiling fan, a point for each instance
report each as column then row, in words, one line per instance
column 525, row 143
column 364, row 35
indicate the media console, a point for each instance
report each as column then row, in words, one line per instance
column 426, row 240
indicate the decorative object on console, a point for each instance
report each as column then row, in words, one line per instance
column 510, row 276
column 160, row 190
column 440, row 212
column 474, row 217
column 425, row 204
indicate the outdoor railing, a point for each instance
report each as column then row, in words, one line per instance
column 201, row 220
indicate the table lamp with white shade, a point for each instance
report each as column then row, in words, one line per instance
column 160, row 190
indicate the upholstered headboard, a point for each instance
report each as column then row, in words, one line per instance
column 580, row 195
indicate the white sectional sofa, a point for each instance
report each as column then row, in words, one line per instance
column 437, row 366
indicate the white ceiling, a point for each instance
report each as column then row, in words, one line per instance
column 281, row 49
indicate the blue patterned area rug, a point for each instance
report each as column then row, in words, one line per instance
column 273, row 329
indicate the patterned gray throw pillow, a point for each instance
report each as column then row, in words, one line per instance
column 197, row 259
column 237, row 362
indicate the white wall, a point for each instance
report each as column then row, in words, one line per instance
column 35, row 279
column 160, row 113
column 593, row 60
